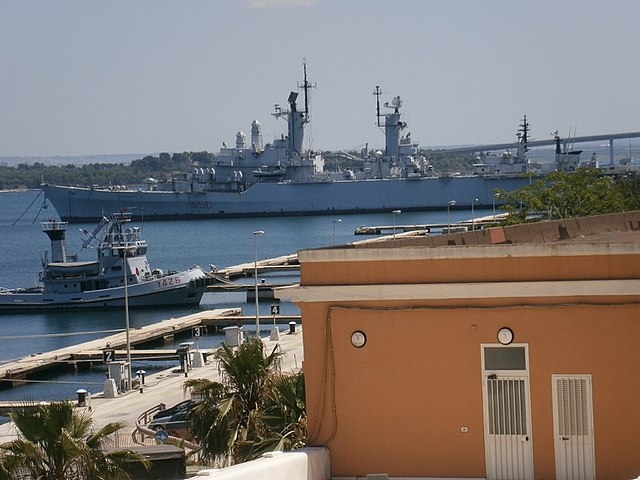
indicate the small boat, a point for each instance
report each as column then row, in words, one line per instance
column 121, row 270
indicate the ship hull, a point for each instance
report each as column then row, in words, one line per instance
column 182, row 288
column 75, row 204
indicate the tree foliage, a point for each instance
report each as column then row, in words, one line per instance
column 56, row 442
column 561, row 195
column 255, row 409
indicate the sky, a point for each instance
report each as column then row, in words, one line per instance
column 82, row 77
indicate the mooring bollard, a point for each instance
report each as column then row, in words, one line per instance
column 82, row 397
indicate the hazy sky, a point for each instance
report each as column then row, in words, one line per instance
column 81, row 77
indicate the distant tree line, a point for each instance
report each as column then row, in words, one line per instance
column 26, row 175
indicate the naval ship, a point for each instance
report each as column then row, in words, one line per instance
column 280, row 178
column 120, row 271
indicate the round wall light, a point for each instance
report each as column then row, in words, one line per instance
column 358, row 339
column 505, row 336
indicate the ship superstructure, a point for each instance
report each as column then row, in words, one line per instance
column 253, row 178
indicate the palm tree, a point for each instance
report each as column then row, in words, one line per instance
column 282, row 418
column 55, row 442
column 255, row 408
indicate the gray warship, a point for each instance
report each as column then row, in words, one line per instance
column 280, row 178
column 68, row 283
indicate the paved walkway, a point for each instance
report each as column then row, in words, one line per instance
column 167, row 387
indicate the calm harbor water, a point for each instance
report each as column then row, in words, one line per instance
column 175, row 244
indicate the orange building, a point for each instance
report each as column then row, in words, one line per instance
column 507, row 353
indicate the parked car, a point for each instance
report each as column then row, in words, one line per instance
column 177, row 408
column 176, row 421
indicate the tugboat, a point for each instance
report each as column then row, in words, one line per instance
column 121, row 269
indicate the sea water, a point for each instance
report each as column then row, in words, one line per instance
column 172, row 245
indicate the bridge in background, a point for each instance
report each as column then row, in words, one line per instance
column 611, row 137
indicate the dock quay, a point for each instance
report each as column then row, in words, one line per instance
column 426, row 228
column 225, row 277
column 136, row 354
column 265, row 290
column 238, row 320
column 269, row 265
column 380, row 229
column 17, row 371
column 421, row 229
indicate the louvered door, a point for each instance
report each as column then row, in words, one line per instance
column 509, row 452
column 573, row 427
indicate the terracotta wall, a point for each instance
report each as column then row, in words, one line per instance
column 495, row 269
column 398, row 404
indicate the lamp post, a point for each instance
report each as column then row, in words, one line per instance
column 395, row 212
column 450, row 204
column 495, row 197
column 339, row 220
column 256, row 234
column 125, row 251
column 473, row 215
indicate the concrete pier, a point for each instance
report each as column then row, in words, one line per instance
column 17, row 371
column 167, row 387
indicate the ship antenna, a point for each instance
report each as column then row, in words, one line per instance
column 377, row 92
column 524, row 133
column 305, row 87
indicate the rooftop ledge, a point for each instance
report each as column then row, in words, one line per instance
column 621, row 290
column 468, row 251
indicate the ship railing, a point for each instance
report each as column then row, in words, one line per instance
column 53, row 225
column 120, row 217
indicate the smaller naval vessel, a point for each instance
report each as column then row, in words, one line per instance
column 121, row 270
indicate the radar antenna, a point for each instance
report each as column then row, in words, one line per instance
column 377, row 92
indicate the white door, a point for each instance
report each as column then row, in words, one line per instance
column 573, row 427
column 507, row 417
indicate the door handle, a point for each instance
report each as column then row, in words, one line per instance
column 564, row 438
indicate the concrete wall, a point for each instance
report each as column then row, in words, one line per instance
column 303, row 464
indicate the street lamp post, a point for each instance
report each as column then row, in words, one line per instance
column 495, row 197
column 334, row 230
column 473, row 215
column 124, row 251
column 256, row 234
column 450, row 204
column 395, row 212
